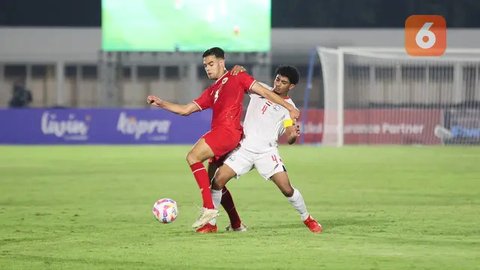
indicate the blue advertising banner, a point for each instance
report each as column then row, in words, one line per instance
column 461, row 126
column 100, row 126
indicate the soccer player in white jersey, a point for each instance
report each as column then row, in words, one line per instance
column 264, row 122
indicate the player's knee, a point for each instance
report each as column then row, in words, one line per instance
column 288, row 191
column 221, row 179
column 191, row 158
column 216, row 185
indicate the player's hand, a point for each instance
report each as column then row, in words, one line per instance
column 154, row 100
column 293, row 133
column 237, row 69
column 295, row 114
column 297, row 130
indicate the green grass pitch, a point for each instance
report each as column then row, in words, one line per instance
column 89, row 207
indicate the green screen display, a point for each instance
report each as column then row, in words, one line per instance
column 186, row 25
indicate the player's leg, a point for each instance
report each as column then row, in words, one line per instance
column 295, row 198
column 215, row 143
column 211, row 226
column 270, row 166
column 222, row 195
column 293, row 195
column 222, row 176
column 213, row 166
column 200, row 152
column 237, row 163
column 219, row 188
column 236, row 223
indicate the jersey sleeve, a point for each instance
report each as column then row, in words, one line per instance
column 246, row 81
column 205, row 100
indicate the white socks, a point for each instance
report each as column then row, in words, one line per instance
column 297, row 202
column 217, row 198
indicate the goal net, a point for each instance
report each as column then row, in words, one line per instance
column 383, row 96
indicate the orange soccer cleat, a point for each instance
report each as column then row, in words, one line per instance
column 313, row 225
column 207, row 228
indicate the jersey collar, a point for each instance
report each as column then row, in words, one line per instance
column 221, row 77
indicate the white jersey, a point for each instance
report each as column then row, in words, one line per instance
column 264, row 122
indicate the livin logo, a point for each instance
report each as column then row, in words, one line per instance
column 75, row 128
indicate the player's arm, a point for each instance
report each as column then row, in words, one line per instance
column 264, row 92
column 292, row 131
column 181, row 109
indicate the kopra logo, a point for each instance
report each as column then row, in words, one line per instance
column 425, row 35
column 130, row 125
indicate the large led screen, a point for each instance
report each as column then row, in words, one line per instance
column 186, row 25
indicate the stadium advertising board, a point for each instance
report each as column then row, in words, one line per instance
column 312, row 126
column 100, row 126
column 392, row 126
column 461, row 126
column 378, row 126
column 150, row 126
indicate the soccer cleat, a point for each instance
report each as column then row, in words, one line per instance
column 206, row 216
column 313, row 225
column 207, row 228
column 242, row 228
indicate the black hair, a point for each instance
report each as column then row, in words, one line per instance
column 290, row 72
column 216, row 51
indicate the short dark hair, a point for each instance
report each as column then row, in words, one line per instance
column 290, row 72
column 216, row 51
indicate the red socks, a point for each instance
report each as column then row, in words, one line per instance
column 229, row 206
column 201, row 176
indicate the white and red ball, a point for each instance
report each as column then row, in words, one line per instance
column 165, row 210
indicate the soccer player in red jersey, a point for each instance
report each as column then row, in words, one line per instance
column 225, row 98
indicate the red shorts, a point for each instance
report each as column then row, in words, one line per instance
column 222, row 141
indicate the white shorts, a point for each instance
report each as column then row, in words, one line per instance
column 267, row 164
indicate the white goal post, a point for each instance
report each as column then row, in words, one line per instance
column 384, row 96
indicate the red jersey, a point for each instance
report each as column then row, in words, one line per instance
column 225, row 97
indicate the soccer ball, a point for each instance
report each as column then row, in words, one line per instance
column 165, row 210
